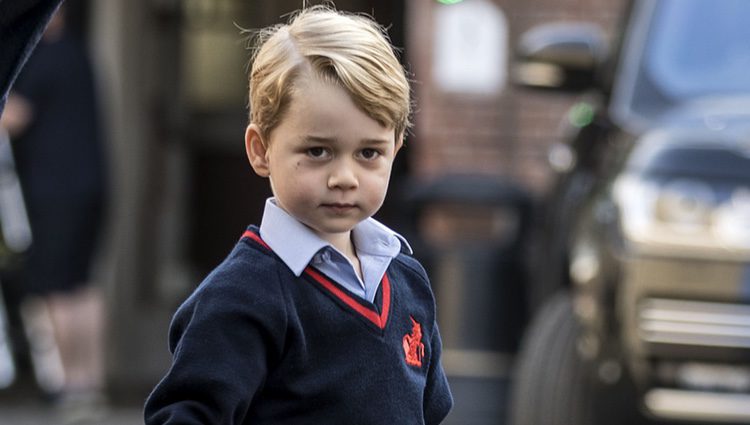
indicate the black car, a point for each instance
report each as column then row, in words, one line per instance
column 642, row 305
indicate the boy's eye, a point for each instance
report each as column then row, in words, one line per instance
column 317, row 152
column 369, row 153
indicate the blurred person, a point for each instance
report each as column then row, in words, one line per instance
column 22, row 23
column 320, row 315
column 51, row 116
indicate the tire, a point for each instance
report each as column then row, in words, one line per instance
column 552, row 384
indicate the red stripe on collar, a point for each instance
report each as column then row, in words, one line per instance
column 250, row 234
column 380, row 320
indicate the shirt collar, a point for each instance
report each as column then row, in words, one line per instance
column 296, row 244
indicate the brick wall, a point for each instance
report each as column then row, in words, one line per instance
column 505, row 134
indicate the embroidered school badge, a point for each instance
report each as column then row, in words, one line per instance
column 413, row 346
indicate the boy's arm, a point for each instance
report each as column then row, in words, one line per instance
column 438, row 400
column 221, row 339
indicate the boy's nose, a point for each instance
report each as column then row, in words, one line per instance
column 342, row 176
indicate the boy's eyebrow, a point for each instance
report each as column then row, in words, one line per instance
column 329, row 140
column 377, row 141
column 318, row 139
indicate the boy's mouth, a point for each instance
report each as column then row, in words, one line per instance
column 338, row 207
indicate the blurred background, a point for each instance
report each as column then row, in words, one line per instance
column 467, row 190
column 172, row 83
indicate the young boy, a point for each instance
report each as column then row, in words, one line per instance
column 316, row 317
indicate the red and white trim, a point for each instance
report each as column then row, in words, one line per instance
column 378, row 319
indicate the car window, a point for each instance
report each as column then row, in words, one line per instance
column 699, row 48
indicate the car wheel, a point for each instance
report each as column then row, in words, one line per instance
column 553, row 385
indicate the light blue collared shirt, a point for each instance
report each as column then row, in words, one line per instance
column 298, row 247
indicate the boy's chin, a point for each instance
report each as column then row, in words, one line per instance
column 325, row 230
column 337, row 230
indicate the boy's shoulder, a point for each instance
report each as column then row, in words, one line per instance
column 247, row 284
column 247, row 266
column 407, row 269
column 407, row 261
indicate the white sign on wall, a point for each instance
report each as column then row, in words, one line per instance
column 470, row 51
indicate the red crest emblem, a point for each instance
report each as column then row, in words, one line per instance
column 413, row 346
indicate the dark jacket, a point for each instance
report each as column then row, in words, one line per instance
column 22, row 24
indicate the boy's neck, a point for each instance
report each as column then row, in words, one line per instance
column 344, row 243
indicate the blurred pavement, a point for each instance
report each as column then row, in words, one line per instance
column 477, row 402
column 30, row 413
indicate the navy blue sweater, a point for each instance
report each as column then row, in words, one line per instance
column 255, row 344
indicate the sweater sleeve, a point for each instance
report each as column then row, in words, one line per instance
column 222, row 339
column 438, row 400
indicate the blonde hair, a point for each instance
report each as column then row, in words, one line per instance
column 350, row 50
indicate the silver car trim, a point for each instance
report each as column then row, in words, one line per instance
column 694, row 323
column 695, row 405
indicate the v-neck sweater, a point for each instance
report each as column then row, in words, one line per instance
column 255, row 344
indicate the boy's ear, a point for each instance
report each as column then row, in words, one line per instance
column 257, row 150
column 399, row 143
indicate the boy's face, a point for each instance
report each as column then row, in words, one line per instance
column 328, row 162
